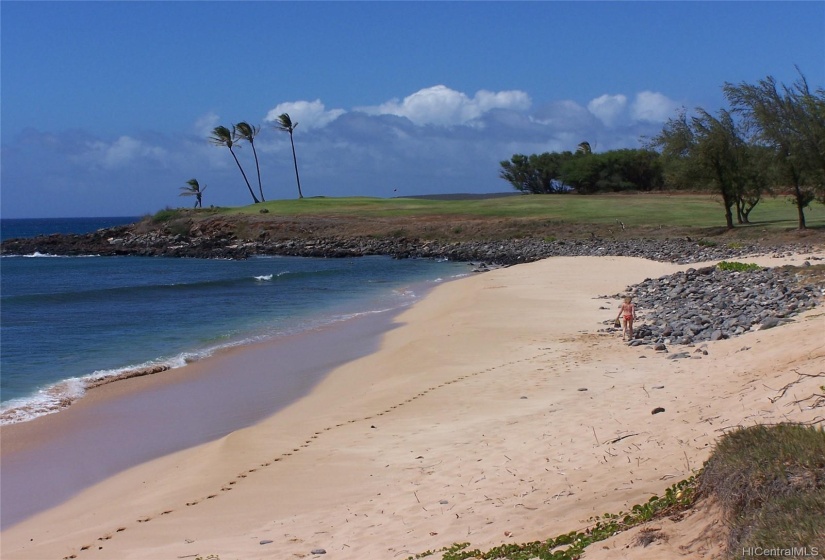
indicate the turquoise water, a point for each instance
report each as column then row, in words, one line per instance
column 65, row 320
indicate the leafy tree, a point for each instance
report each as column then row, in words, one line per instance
column 518, row 173
column 582, row 173
column 285, row 124
column 194, row 189
column 535, row 174
column 222, row 136
column 616, row 170
column 718, row 150
column 674, row 143
column 791, row 121
column 709, row 151
column 245, row 131
column 756, row 180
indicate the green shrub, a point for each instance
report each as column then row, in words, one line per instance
column 570, row 546
column 165, row 215
column 770, row 482
column 737, row 266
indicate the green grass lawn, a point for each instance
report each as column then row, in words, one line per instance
column 677, row 210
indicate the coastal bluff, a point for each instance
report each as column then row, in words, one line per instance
column 240, row 237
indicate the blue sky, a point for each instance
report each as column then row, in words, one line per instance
column 107, row 106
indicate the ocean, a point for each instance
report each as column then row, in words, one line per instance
column 69, row 321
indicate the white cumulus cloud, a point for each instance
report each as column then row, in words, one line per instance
column 309, row 114
column 440, row 105
column 608, row 108
column 650, row 106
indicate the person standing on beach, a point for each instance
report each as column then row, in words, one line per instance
column 627, row 311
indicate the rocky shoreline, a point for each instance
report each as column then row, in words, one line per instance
column 220, row 244
column 708, row 304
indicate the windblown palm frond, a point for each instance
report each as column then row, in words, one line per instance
column 222, row 136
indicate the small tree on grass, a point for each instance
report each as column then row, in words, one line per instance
column 790, row 120
column 194, row 189
column 710, row 151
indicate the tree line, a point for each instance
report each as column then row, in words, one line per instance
column 584, row 172
column 230, row 138
column 770, row 141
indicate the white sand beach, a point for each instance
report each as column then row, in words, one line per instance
column 495, row 412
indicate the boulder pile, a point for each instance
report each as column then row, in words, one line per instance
column 709, row 303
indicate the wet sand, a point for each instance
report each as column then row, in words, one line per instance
column 125, row 423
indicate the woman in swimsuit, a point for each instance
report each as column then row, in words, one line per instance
column 627, row 311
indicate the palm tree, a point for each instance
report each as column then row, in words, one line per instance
column 584, row 148
column 194, row 189
column 247, row 132
column 222, row 136
column 285, row 124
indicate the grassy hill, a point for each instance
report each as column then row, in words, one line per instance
column 463, row 218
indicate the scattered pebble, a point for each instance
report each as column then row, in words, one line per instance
column 657, row 410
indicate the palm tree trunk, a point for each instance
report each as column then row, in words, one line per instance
column 258, row 168
column 255, row 198
column 295, row 161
